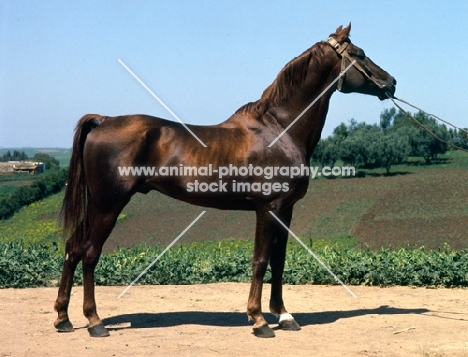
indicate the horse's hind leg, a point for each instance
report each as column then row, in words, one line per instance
column 72, row 258
column 87, row 249
column 278, row 255
column 100, row 228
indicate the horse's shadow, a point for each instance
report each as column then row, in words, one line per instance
column 238, row 319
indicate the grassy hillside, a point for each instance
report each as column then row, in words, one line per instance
column 419, row 205
column 36, row 223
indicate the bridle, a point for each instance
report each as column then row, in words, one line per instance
column 340, row 49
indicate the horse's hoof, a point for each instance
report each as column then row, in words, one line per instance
column 289, row 325
column 264, row 331
column 64, row 326
column 98, row 331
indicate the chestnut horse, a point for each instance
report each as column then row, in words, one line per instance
column 96, row 193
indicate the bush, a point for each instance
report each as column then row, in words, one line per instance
column 50, row 161
column 47, row 185
column 230, row 261
column 30, row 266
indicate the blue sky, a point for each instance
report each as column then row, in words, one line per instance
column 204, row 59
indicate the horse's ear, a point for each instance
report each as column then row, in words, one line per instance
column 347, row 29
column 342, row 34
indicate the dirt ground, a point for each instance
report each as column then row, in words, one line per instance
column 209, row 320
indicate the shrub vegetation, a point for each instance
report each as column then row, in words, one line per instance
column 31, row 265
column 49, row 183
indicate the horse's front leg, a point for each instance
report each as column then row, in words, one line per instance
column 262, row 250
column 278, row 255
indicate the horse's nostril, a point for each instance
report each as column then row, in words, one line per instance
column 394, row 82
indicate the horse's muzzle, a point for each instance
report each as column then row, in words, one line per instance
column 388, row 90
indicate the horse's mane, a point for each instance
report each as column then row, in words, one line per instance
column 287, row 81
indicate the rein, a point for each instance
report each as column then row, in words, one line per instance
column 422, row 126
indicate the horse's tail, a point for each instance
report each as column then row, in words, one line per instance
column 74, row 212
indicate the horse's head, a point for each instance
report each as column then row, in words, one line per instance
column 364, row 76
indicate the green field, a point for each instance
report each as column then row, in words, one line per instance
column 417, row 206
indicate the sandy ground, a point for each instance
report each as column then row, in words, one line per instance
column 209, row 320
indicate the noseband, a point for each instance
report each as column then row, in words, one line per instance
column 340, row 49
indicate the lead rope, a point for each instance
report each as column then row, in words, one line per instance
column 423, row 126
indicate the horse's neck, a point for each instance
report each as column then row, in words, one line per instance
column 305, row 131
column 306, row 126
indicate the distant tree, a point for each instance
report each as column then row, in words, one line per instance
column 390, row 142
column 50, row 161
column 389, row 149
column 17, row 156
column 355, row 149
column 341, row 132
column 326, row 152
column 354, row 125
column 459, row 138
column 400, row 120
column 318, row 153
column 386, row 118
column 376, row 146
column 425, row 144
column 7, row 156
